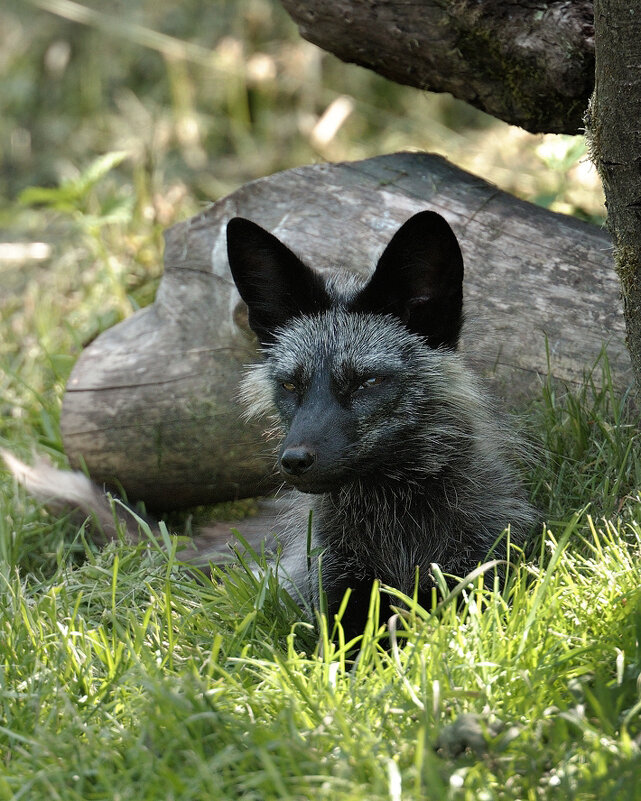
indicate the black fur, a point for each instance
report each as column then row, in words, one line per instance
column 382, row 425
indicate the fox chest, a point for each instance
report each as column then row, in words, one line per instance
column 367, row 551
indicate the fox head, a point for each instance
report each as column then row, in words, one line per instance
column 354, row 368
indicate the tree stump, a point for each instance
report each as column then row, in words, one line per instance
column 151, row 403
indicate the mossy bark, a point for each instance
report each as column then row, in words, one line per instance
column 614, row 131
column 528, row 62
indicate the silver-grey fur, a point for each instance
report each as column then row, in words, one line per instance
column 460, row 443
column 427, row 474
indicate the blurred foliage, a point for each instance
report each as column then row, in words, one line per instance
column 206, row 96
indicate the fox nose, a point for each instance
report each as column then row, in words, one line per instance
column 297, row 460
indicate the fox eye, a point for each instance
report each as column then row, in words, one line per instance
column 372, row 381
column 288, row 386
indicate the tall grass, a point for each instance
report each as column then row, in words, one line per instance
column 125, row 677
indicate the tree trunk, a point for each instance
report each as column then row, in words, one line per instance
column 151, row 404
column 528, row 62
column 614, row 129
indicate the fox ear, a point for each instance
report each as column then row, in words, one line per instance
column 274, row 283
column 419, row 279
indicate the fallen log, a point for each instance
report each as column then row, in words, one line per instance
column 151, row 404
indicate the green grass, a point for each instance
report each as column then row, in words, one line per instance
column 124, row 676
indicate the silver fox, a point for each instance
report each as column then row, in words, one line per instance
column 391, row 437
column 385, row 432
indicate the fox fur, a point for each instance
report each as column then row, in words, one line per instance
column 384, row 432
